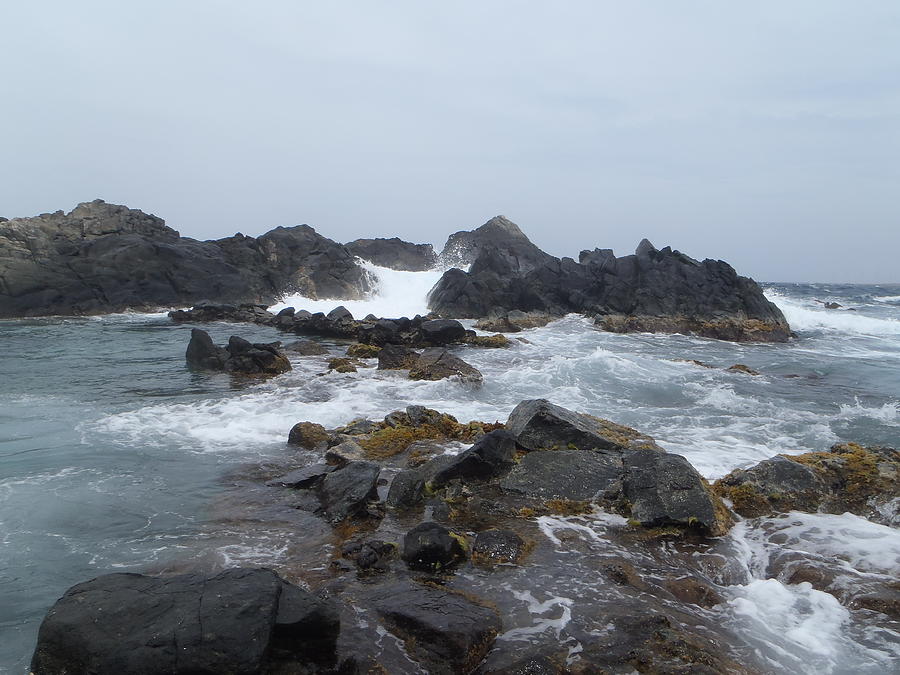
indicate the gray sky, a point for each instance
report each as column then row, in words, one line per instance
column 766, row 134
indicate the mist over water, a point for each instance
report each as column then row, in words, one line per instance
column 113, row 456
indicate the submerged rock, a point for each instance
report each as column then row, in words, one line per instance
column 240, row 356
column 238, row 621
column 495, row 547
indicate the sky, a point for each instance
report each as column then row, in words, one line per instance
column 766, row 134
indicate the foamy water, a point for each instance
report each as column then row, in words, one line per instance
column 112, row 451
column 395, row 294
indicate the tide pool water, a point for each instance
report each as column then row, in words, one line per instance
column 114, row 456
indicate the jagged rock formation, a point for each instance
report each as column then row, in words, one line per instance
column 395, row 253
column 102, row 257
column 652, row 290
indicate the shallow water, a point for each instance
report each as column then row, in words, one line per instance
column 113, row 456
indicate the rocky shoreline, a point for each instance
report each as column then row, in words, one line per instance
column 102, row 258
column 433, row 525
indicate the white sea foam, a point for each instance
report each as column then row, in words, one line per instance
column 396, row 294
column 806, row 316
column 887, row 298
column 888, row 413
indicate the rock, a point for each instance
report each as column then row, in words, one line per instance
column 741, row 368
column 498, row 234
column 356, row 427
column 439, row 332
column 370, row 556
column 489, row 341
column 652, row 290
column 347, row 491
column 540, row 425
column 431, row 547
column 694, row 592
column 240, row 356
column 495, row 547
column 360, row 351
column 514, row 321
column 308, row 435
column 348, row 451
column 244, row 313
column 445, row 631
column 408, row 487
column 572, row 475
column 340, row 313
column 303, row 478
column 342, row 365
column 235, row 622
column 306, row 348
column 664, row 489
column 397, row 357
column 491, row 456
column 101, row 258
column 849, row 477
column 436, row 364
column 395, row 254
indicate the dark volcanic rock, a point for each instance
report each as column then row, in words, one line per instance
column 440, row 332
column 498, row 546
column 246, row 313
column 304, row 477
column 437, row 363
column 395, row 253
column 104, row 258
column 652, row 290
column 664, row 489
column 541, row 425
column 407, row 488
column 849, row 477
column 498, row 234
column 446, row 632
column 308, row 435
column 349, row 490
column 397, row 357
column 575, row 475
column 432, row 547
column 305, row 348
column 240, row 356
column 491, row 456
column 233, row 622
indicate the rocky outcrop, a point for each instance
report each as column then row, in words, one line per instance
column 102, row 258
column 395, row 254
column 239, row 621
column 239, row 356
column 652, row 290
column 849, row 477
column 437, row 364
column 499, row 234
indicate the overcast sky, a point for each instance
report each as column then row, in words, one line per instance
column 766, row 134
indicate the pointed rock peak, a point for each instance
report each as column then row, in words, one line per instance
column 504, row 225
column 645, row 248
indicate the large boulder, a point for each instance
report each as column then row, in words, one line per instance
column 102, row 258
column 237, row 621
column 446, row 632
column 849, row 477
column 664, row 489
column 491, row 456
column 540, row 425
column 395, row 253
column 439, row 332
column 572, row 475
column 347, row 492
column 436, row 364
column 239, row 356
column 652, row 290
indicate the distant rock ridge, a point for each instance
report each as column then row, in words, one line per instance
column 101, row 258
column 653, row 290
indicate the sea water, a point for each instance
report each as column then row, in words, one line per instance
column 115, row 457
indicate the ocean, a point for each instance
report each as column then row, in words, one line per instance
column 115, row 457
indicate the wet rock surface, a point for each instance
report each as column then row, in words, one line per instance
column 239, row 356
column 238, row 621
column 103, row 257
column 650, row 291
column 437, row 364
column 395, row 253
